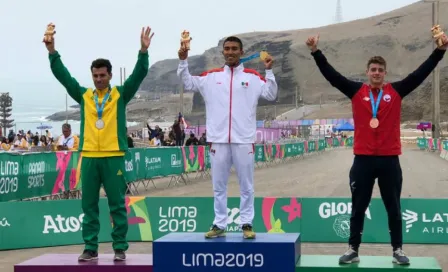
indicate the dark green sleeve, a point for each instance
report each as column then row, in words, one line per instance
column 131, row 85
column 63, row 76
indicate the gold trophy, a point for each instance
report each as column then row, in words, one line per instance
column 49, row 33
column 264, row 54
column 186, row 39
column 437, row 34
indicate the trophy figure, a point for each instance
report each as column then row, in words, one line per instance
column 437, row 34
column 49, row 33
column 263, row 55
column 186, row 39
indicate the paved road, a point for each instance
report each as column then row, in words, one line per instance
column 299, row 113
column 425, row 176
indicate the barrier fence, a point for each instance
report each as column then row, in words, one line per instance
column 433, row 145
column 322, row 220
column 56, row 175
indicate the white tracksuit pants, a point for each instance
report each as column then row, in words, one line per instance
column 222, row 156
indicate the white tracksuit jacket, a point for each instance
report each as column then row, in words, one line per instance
column 231, row 98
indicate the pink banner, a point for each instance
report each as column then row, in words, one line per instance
column 262, row 135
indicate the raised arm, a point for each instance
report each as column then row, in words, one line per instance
column 414, row 79
column 132, row 83
column 346, row 86
column 61, row 73
column 63, row 76
column 269, row 88
column 190, row 83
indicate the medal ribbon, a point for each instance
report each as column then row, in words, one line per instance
column 376, row 105
column 251, row 57
column 99, row 109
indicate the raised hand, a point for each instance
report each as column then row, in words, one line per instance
column 312, row 42
column 145, row 38
column 445, row 42
column 268, row 61
column 183, row 52
column 50, row 46
column 49, row 38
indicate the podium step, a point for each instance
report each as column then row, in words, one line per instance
column 193, row 252
column 318, row 263
column 69, row 263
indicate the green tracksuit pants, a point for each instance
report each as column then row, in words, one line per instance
column 108, row 171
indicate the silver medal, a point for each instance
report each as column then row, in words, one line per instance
column 99, row 124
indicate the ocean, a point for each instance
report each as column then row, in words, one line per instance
column 30, row 118
column 30, row 108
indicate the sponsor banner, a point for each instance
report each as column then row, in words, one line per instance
column 327, row 220
column 46, row 223
column 54, row 223
column 324, row 220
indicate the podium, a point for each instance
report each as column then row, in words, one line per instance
column 330, row 263
column 193, row 252
column 69, row 263
column 184, row 252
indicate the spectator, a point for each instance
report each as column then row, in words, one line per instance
column 177, row 133
column 11, row 135
column 35, row 141
column 203, row 139
column 76, row 142
column 43, row 140
column 21, row 142
column 49, row 135
column 29, row 137
column 153, row 132
column 130, row 140
column 192, row 140
column 155, row 141
column 5, row 144
column 66, row 140
column 182, row 137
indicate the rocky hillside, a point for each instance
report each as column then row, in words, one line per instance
column 402, row 36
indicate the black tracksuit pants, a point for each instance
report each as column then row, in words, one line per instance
column 363, row 173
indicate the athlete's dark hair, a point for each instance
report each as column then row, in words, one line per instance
column 377, row 60
column 100, row 63
column 233, row 39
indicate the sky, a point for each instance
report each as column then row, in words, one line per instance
column 86, row 30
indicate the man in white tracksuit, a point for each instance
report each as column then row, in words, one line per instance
column 231, row 96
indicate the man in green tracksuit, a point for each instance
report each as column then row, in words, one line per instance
column 103, row 142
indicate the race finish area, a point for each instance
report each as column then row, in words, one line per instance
column 307, row 196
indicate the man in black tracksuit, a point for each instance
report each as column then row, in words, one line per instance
column 376, row 109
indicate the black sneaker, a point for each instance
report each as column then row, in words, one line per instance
column 351, row 256
column 248, row 231
column 399, row 257
column 119, row 255
column 88, row 255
